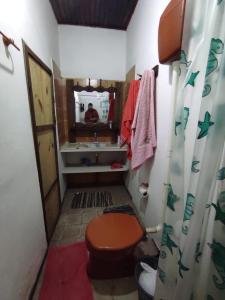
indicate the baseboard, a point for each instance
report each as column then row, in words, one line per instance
column 156, row 244
column 135, row 209
column 124, row 184
column 31, row 295
column 33, row 289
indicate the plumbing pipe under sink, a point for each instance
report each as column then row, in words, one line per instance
column 154, row 229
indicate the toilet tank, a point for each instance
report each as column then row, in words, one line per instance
column 170, row 31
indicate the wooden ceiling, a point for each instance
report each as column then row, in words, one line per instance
column 113, row 14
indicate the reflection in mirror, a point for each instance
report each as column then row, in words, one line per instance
column 93, row 107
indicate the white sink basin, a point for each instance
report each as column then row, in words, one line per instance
column 96, row 145
column 90, row 145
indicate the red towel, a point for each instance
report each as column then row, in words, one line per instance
column 128, row 116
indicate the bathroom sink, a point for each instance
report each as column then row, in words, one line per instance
column 100, row 145
column 79, row 145
column 96, row 145
column 90, row 145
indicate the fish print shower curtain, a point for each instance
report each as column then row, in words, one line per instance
column 192, row 256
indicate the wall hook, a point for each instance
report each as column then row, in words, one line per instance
column 156, row 70
column 7, row 41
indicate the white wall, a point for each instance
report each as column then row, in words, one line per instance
column 22, row 236
column 142, row 51
column 84, row 52
column 92, row 52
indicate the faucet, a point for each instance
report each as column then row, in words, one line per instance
column 95, row 137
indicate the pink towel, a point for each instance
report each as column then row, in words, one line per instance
column 143, row 139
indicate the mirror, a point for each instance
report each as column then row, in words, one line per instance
column 102, row 117
column 94, row 107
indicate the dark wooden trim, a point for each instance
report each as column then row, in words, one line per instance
column 156, row 69
column 89, row 88
column 98, row 127
column 79, row 132
column 45, row 127
column 131, row 12
column 33, row 289
column 70, row 107
column 28, row 52
column 55, row 142
column 50, row 189
column 110, row 14
column 94, row 26
column 80, row 129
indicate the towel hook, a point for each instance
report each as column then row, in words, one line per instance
column 155, row 69
column 8, row 41
column 140, row 76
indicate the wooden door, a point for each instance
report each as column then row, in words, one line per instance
column 39, row 80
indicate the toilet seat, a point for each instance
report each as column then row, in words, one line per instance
column 113, row 232
column 111, row 240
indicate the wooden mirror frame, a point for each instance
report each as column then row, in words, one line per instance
column 87, row 130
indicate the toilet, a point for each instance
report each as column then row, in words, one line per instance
column 111, row 239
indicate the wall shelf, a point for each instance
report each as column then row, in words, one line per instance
column 70, row 147
column 106, row 153
column 92, row 169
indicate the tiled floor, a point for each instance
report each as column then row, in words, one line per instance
column 71, row 228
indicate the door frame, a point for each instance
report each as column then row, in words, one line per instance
column 29, row 53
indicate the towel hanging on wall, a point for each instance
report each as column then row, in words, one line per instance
column 143, row 139
column 128, row 116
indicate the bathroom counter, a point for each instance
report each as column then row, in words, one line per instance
column 92, row 169
column 99, row 156
column 91, row 147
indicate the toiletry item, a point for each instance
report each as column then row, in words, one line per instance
column 116, row 165
column 143, row 190
column 147, row 279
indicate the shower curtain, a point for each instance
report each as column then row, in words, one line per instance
column 192, row 256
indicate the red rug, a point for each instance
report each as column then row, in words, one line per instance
column 65, row 276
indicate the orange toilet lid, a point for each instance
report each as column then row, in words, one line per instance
column 114, row 231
